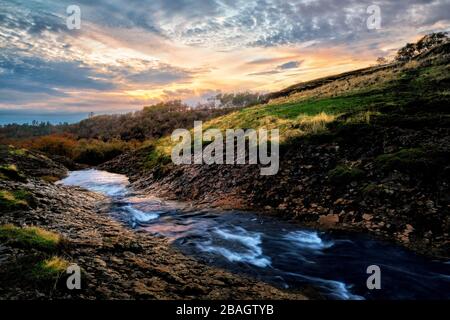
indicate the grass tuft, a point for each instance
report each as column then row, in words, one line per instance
column 50, row 269
column 10, row 172
column 30, row 237
column 15, row 200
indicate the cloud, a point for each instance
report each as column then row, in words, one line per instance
column 33, row 74
column 264, row 73
column 154, row 45
column 267, row 23
column 159, row 75
column 290, row 65
column 287, row 66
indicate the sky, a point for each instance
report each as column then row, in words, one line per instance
column 131, row 53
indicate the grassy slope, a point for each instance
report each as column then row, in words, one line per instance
column 359, row 98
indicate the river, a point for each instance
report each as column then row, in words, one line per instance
column 274, row 251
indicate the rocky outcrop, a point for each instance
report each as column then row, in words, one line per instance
column 31, row 163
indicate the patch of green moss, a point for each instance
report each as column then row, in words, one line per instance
column 372, row 189
column 49, row 269
column 157, row 162
column 30, row 237
column 10, row 172
column 405, row 159
column 156, row 158
column 17, row 152
column 343, row 174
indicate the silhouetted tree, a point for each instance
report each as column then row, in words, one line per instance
column 425, row 44
column 382, row 60
column 407, row 52
column 430, row 41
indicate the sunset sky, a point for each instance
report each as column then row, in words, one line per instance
column 131, row 53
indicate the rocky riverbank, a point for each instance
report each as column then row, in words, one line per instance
column 390, row 181
column 116, row 262
column 384, row 171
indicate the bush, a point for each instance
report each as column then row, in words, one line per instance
column 54, row 145
column 85, row 151
column 94, row 152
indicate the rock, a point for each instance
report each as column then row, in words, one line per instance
column 404, row 237
column 100, row 262
column 142, row 290
column 329, row 220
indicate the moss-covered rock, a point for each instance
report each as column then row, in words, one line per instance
column 343, row 174
column 403, row 160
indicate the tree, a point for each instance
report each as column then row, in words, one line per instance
column 407, row 52
column 431, row 40
column 382, row 60
column 425, row 44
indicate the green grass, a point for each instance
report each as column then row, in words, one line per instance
column 15, row 200
column 40, row 264
column 10, row 172
column 30, row 237
column 336, row 105
column 349, row 101
column 49, row 269
column 17, row 152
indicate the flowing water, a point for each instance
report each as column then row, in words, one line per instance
column 275, row 251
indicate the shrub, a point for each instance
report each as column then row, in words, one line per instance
column 54, row 145
column 94, row 152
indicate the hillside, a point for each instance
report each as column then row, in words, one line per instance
column 367, row 150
